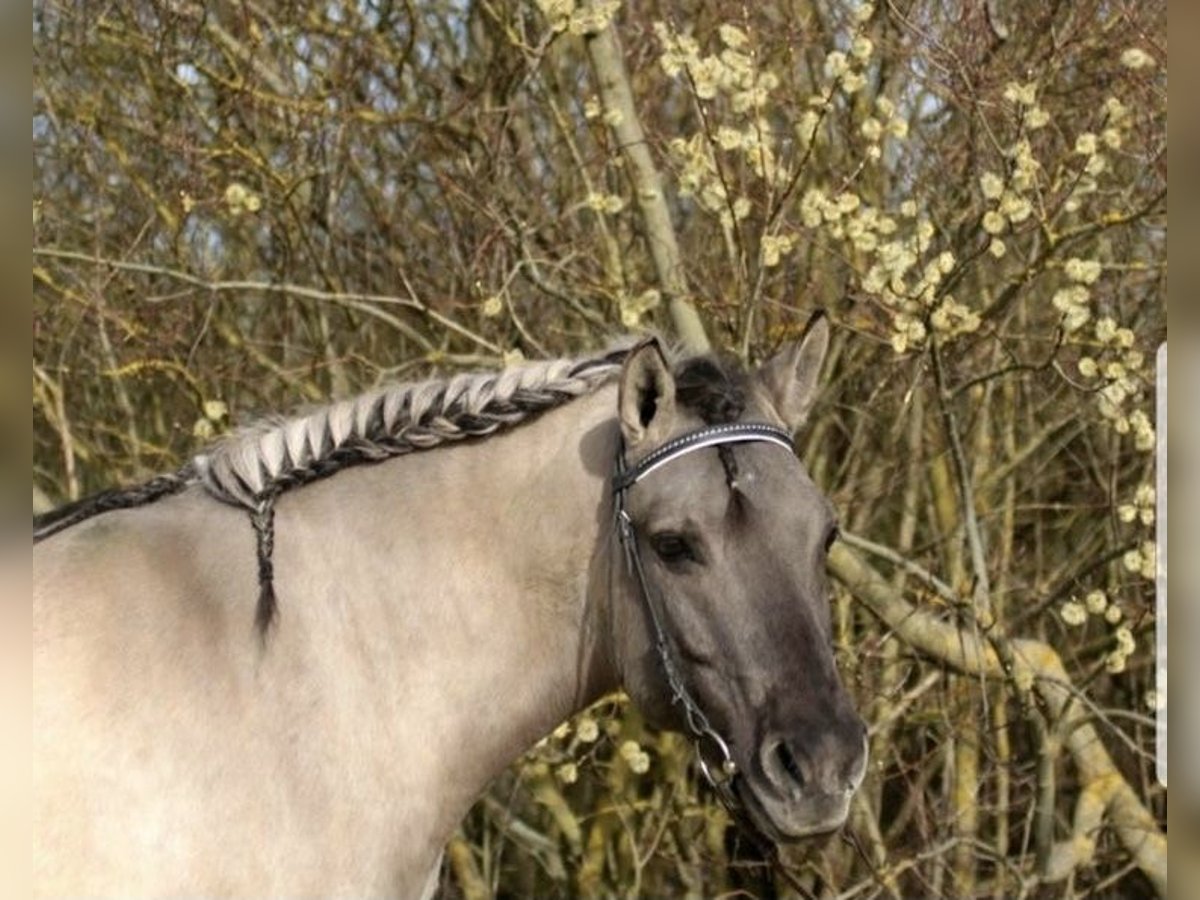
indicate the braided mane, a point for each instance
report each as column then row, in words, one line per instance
column 253, row 467
column 269, row 458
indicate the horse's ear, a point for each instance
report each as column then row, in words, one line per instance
column 646, row 396
column 791, row 375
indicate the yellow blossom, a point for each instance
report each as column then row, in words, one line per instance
column 633, row 308
column 1076, row 317
column 729, row 138
column 1073, row 613
column 604, row 203
column 874, row 281
column 240, row 199
column 1023, row 94
column 866, row 241
column 864, row 12
column 1136, row 58
column 1113, row 614
column 587, row 731
column 492, row 306
column 997, row 248
column 806, row 128
column 567, row 773
column 811, row 206
column 924, row 234
column 1037, row 118
column 1112, row 138
column 732, row 36
column 871, row 129
column 852, row 82
column 861, row 47
column 992, row 185
column 1065, row 298
column 1085, row 144
column 1096, row 602
column 835, row 64
column 1125, row 640
column 217, row 410
column 774, row 246
column 637, row 759
column 594, row 18
column 557, row 12
column 1144, row 435
column 1014, row 207
column 1087, row 367
column 1085, row 271
column 993, row 222
column 1116, row 111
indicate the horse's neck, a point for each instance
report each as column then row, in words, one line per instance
column 453, row 586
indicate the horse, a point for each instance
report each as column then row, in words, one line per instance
column 446, row 570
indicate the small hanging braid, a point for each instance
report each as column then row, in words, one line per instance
column 263, row 520
column 252, row 468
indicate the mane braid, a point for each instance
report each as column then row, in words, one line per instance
column 64, row 517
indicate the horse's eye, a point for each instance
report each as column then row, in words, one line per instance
column 833, row 535
column 672, row 548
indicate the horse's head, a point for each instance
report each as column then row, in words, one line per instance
column 729, row 541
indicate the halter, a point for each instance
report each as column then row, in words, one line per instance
column 624, row 478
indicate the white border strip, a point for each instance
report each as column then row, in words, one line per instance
column 1160, row 574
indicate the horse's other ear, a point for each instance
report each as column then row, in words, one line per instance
column 791, row 375
column 646, row 396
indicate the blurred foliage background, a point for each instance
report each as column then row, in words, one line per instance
column 241, row 207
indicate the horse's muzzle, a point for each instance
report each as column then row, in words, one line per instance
column 799, row 789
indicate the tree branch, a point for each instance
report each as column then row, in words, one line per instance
column 1034, row 661
column 616, row 96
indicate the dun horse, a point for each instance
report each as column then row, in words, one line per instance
column 424, row 620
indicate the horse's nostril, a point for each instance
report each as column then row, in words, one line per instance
column 788, row 761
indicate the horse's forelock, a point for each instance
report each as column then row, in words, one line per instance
column 713, row 387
